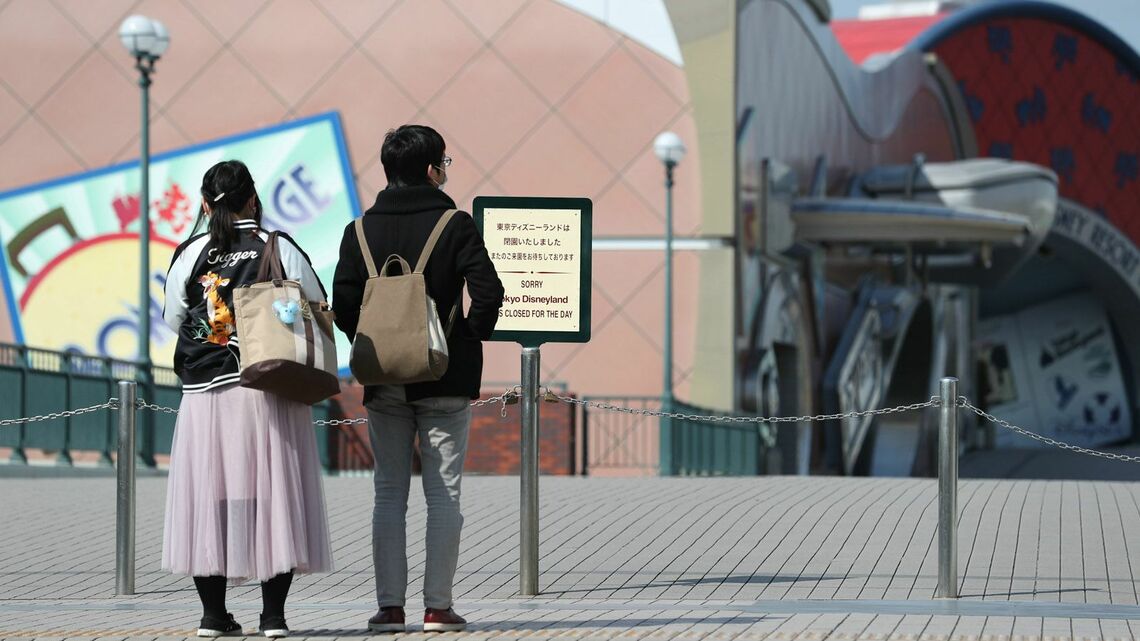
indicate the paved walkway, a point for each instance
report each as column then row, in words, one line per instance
column 770, row 558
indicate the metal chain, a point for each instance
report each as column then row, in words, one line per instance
column 508, row 397
column 141, row 404
column 933, row 402
column 964, row 402
column 511, row 396
column 336, row 422
column 112, row 403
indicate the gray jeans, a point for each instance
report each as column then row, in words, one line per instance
column 442, row 424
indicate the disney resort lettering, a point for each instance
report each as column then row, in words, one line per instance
column 1098, row 235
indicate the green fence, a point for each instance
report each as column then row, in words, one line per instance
column 37, row 381
column 621, row 442
column 691, row 447
column 636, row 441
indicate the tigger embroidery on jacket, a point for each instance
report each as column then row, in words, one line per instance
column 219, row 325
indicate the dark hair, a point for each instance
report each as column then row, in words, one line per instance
column 227, row 187
column 407, row 152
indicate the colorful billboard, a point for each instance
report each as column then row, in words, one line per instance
column 70, row 247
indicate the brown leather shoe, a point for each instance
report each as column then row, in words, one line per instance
column 389, row 619
column 443, row 621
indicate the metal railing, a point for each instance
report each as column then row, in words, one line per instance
column 701, row 441
column 632, row 443
column 38, row 381
column 732, row 448
column 620, row 443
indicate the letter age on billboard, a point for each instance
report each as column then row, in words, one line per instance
column 541, row 248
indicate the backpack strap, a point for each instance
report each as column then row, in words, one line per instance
column 425, row 254
column 364, row 251
column 270, row 267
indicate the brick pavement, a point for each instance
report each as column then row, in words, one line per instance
column 748, row 559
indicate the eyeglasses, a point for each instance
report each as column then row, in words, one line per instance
column 446, row 162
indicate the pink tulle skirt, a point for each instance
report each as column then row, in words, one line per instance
column 244, row 498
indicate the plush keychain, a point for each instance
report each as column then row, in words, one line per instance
column 286, row 310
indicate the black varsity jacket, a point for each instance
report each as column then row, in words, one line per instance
column 199, row 303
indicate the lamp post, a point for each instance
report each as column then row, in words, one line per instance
column 146, row 40
column 669, row 150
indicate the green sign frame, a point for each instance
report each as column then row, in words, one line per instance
column 585, row 290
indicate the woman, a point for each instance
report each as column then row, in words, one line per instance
column 244, row 497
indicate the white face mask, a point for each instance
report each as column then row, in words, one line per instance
column 442, row 173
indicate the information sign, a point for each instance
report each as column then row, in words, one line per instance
column 541, row 249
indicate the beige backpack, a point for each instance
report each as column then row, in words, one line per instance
column 399, row 338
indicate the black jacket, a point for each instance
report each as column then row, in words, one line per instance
column 399, row 223
column 199, row 301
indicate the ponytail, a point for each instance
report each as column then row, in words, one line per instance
column 227, row 187
column 221, row 228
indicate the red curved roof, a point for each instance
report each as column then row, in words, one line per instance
column 863, row 38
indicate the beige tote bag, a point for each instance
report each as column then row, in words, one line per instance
column 286, row 342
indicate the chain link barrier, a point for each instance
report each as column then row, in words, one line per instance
column 511, row 396
column 550, row 396
column 141, row 404
column 964, row 402
column 112, row 404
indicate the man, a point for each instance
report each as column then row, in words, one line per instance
column 438, row 412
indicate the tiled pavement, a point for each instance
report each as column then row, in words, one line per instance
column 748, row 559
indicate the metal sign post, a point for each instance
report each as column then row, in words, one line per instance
column 125, row 496
column 541, row 248
column 528, row 475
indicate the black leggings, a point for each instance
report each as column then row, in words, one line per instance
column 212, row 592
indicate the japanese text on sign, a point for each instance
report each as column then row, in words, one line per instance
column 537, row 253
